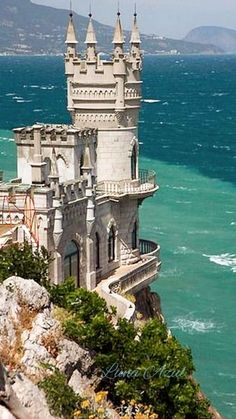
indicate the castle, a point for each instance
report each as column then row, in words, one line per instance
column 79, row 187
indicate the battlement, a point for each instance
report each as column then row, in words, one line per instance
column 53, row 135
column 104, row 93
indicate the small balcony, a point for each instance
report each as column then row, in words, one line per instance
column 131, row 278
column 144, row 186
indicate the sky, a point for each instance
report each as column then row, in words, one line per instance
column 171, row 18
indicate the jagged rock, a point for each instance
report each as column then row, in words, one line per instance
column 81, row 385
column 28, row 292
column 31, row 397
column 5, row 414
column 148, row 304
column 9, row 310
column 72, row 357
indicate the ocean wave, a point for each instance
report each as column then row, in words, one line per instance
column 220, row 94
column 37, row 110
column 225, row 259
column 10, row 94
column 183, row 250
column 23, row 101
column 191, row 326
column 151, row 100
column 17, row 98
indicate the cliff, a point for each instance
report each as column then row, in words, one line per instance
column 28, row 28
column 222, row 38
column 31, row 339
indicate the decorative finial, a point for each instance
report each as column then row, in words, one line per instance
column 118, row 8
column 71, row 12
column 90, row 10
column 135, row 9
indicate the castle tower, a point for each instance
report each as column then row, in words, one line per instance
column 106, row 94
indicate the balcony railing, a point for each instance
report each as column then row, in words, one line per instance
column 148, row 248
column 146, row 182
column 131, row 279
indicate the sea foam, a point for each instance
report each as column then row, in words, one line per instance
column 225, row 259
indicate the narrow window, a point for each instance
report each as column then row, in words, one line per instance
column 134, row 236
column 97, row 240
column 111, row 245
column 71, row 261
column 134, row 163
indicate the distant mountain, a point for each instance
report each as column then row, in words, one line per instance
column 223, row 38
column 28, row 28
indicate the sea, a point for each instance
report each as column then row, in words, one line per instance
column 188, row 136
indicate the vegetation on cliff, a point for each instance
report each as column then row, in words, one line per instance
column 142, row 370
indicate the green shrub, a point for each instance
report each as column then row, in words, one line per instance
column 61, row 399
column 22, row 260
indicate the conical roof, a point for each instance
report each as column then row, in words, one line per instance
column 71, row 35
column 135, row 35
column 118, row 35
column 91, row 36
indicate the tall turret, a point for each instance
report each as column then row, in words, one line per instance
column 135, row 40
column 91, row 41
column 71, row 40
column 118, row 39
column 105, row 94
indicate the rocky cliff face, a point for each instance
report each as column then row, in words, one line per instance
column 148, row 304
column 30, row 337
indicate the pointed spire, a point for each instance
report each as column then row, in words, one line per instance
column 91, row 36
column 71, row 35
column 118, row 35
column 135, row 35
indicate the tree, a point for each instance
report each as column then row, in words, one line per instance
column 22, row 260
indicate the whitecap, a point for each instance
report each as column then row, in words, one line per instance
column 10, row 94
column 220, row 94
column 37, row 110
column 225, row 259
column 23, row 101
column 151, row 100
column 183, row 250
column 191, row 326
column 17, row 98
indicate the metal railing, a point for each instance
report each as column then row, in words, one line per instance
column 148, row 247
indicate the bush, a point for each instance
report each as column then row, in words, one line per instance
column 61, row 399
column 145, row 365
column 22, row 260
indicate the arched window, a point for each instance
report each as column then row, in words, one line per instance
column 97, row 244
column 134, row 236
column 81, row 164
column 111, row 244
column 71, row 261
column 134, row 163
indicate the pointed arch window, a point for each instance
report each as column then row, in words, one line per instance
column 72, row 261
column 134, row 163
column 135, row 236
column 81, row 163
column 97, row 243
column 111, row 244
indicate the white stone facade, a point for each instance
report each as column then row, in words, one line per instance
column 79, row 187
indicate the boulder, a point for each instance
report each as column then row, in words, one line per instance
column 27, row 291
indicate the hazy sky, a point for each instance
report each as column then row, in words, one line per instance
column 173, row 18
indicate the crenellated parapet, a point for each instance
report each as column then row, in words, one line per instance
column 104, row 93
column 48, row 152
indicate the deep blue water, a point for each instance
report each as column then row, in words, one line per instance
column 188, row 136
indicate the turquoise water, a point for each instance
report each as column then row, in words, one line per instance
column 187, row 135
